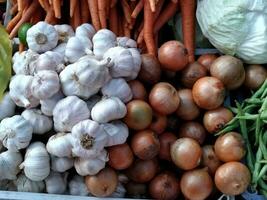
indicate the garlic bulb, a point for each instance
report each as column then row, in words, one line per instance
column 7, row 185
column 40, row 123
column 7, row 106
column 65, row 32
column 117, row 132
column 61, row 164
column 126, row 42
column 91, row 166
column 77, row 186
column 117, row 87
column 88, row 139
column 60, row 49
column 60, row 145
column 56, row 183
column 68, row 112
column 15, row 132
column 48, row 105
column 9, row 165
column 85, row 30
column 92, row 101
column 42, row 37
column 119, row 192
column 26, row 185
column 102, row 41
column 108, row 109
column 85, row 77
column 20, row 91
column 45, row 84
column 36, row 162
column 137, row 63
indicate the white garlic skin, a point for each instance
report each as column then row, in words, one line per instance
column 61, row 164
column 36, row 162
column 68, row 112
column 9, row 165
column 45, row 84
column 60, row 145
column 85, row 30
column 60, row 49
column 77, row 186
column 137, row 63
column 26, row 185
column 119, row 192
column 92, row 101
column 20, row 91
column 56, row 183
column 48, row 105
column 74, row 50
column 7, row 106
column 40, row 123
column 126, row 42
column 15, row 132
column 65, row 32
column 108, row 109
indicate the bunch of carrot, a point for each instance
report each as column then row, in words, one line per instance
column 138, row 19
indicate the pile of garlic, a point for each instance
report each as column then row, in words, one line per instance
column 73, row 85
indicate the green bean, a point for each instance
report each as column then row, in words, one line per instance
column 257, row 167
column 262, row 145
column 257, row 130
column 227, row 129
column 254, row 101
column 263, row 161
column 262, row 172
column 261, row 90
column 263, row 185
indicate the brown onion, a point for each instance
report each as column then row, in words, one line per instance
column 166, row 140
column 206, row 60
column 229, row 70
column 164, row 98
column 186, row 153
column 230, row 147
column 173, row 123
column 139, row 115
column 138, row 90
column 196, row 184
column 173, row 56
column 208, row 92
column 120, row 156
column 142, row 171
column 145, row 144
column 232, row 178
column 150, row 71
column 192, row 73
column 210, row 159
column 136, row 190
column 164, row 186
column 193, row 130
column 255, row 76
column 187, row 109
column 215, row 120
column 102, row 184
column 159, row 123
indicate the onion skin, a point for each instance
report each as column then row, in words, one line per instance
column 120, row 156
column 102, row 184
column 139, row 115
column 208, row 87
column 229, row 70
column 186, row 153
column 145, row 144
column 138, row 90
column 187, row 110
column 255, row 76
column 192, row 73
column 166, row 140
column 215, row 120
column 210, row 159
column 193, row 130
column 159, row 123
column 232, row 178
column 196, row 184
column 173, row 56
column 164, row 98
column 164, row 186
column 206, row 60
column 230, row 147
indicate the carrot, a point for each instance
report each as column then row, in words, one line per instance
column 20, row 5
column 158, row 9
column 120, row 29
column 126, row 29
column 102, row 13
column 107, row 8
column 77, row 16
column 14, row 9
column 45, row 4
column 85, row 14
column 152, row 5
column 21, row 47
column 113, row 3
column 57, row 8
column 137, row 9
column 38, row 16
column 113, row 20
column 13, row 22
column 93, row 7
column 140, row 38
column 126, row 10
column 73, row 4
column 188, row 26
column 49, row 18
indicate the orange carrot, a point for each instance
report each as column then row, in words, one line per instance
column 14, row 9
column 126, row 10
column 93, row 7
column 77, row 16
column 45, row 4
column 102, row 13
column 113, row 3
column 73, row 4
column 57, row 8
column 158, row 9
column 13, row 22
column 188, row 26
column 137, row 9
column 126, row 29
column 49, row 18
column 85, row 14
column 140, row 38
column 20, row 5
column 113, row 20
column 107, row 8
column 152, row 5
column 38, row 16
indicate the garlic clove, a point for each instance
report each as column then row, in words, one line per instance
column 126, row 42
column 56, row 183
column 61, row 164
column 65, row 32
column 7, row 106
column 74, row 49
column 85, row 30
column 60, row 48
column 77, row 186
column 24, row 184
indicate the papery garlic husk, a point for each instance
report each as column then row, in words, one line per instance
column 119, row 192
column 85, row 77
column 56, row 183
column 117, row 132
column 61, row 164
column 123, row 178
column 40, row 123
column 91, row 166
column 9, row 164
column 24, row 184
column 77, row 186
column 85, row 30
column 118, row 87
column 60, row 145
column 92, row 101
column 89, row 139
column 48, row 105
column 36, row 163
column 45, row 84
column 65, row 32
column 7, row 185
column 15, row 132
column 137, row 64
column 103, row 40
column 60, row 49
column 108, row 109
column 20, row 91
column 126, row 42
column 68, row 112
column 7, row 106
